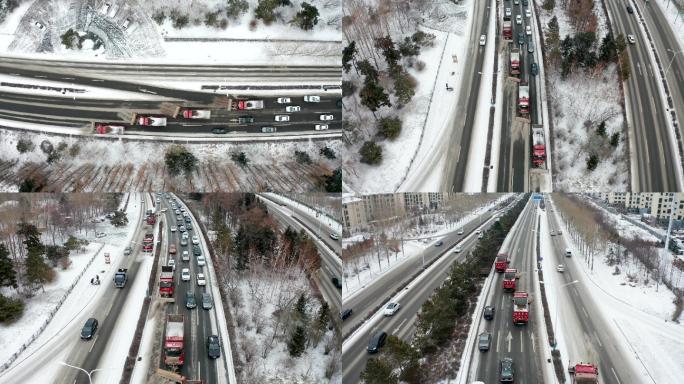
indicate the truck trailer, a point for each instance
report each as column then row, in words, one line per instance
column 521, row 308
column 501, row 262
column 515, row 62
column 166, row 284
column 174, row 353
column 538, row 147
column 524, row 100
column 510, row 275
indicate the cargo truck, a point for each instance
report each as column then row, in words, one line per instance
column 524, row 100
column 149, row 120
column 584, row 373
column 501, row 262
column 166, row 281
column 538, row 147
column 174, row 354
column 507, row 30
column 244, row 104
column 515, row 62
column 108, row 129
column 510, row 275
column 521, row 308
column 151, row 219
column 120, row 278
column 194, row 113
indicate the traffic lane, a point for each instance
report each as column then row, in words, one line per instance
column 206, row 127
column 519, row 163
column 375, row 292
column 401, row 324
column 505, row 167
column 70, row 102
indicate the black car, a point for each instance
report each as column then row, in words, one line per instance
column 219, row 131
column 345, row 314
column 521, row 38
column 489, row 312
column 337, row 283
column 377, row 341
column 630, row 10
column 190, row 301
column 534, row 70
column 339, row 103
column 213, row 347
column 196, row 250
column 506, row 370
column 89, row 329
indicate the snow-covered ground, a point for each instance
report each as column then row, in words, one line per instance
column 424, row 127
column 586, row 97
column 369, row 267
column 674, row 18
column 65, row 301
column 322, row 217
column 641, row 305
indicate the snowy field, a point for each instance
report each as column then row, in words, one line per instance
column 323, row 218
column 586, row 97
column 365, row 269
column 641, row 305
column 424, row 127
column 128, row 30
column 84, row 266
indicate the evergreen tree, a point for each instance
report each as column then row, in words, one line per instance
column 615, row 139
column 240, row 159
column 37, row 272
column 241, row 249
column 601, row 130
column 8, row 276
column 404, row 87
column 377, row 371
column 333, row 183
column 389, row 127
column 10, row 309
column 368, row 70
column 323, row 315
column 391, row 54
column 592, row 162
column 297, row 342
column 120, row 219
column 348, row 56
column 307, row 18
column 328, row 152
column 300, row 307
column 374, row 96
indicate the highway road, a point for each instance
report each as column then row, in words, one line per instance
column 459, row 140
column 54, row 110
column 587, row 331
column 652, row 152
column 519, row 342
column 329, row 249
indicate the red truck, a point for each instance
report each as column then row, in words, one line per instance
column 521, row 308
column 149, row 120
column 108, row 129
column 166, row 281
column 524, row 100
column 515, row 61
column 584, row 373
column 237, row 104
column 174, row 355
column 148, row 242
column 151, row 219
column 507, row 30
column 538, row 147
column 501, row 262
column 196, row 114
column 510, row 275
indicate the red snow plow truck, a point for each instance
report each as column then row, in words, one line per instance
column 584, row 373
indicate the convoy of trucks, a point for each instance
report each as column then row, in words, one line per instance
column 584, row 373
column 521, row 308
column 501, row 262
column 524, row 100
column 515, row 61
column 538, row 146
column 166, row 284
column 174, row 354
column 510, row 275
column 120, row 278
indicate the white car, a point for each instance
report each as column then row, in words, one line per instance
column 185, row 274
column 508, row 12
column 283, row 100
column 185, row 235
column 39, row 25
column 182, row 209
column 195, row 239
column 201, row 261
column 327, row 117
column 518, row 19
column 391, row 309
column 293, row 108
column 126, row 24
column 528, row 13
column 172, row 263
column 631, row 39
column 528, row 30
column 186, row 256
column 321, row 127
column 282, row 118
column 483, row 39
column 334, row 236
column 173, row 229
column 100, row 234
column 460, row 231
column 458, row 249
column 560, row 268
column 201, row 281
column 312, row 99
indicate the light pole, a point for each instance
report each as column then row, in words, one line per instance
column 90, row 379
column 672, row 59
column 555, row 321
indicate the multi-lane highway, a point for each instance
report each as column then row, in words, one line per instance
column 368, row 301
column 654, row 155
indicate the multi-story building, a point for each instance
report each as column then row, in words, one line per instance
column 656, row 204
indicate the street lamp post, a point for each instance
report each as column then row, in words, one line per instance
column 90, row 378
column 555, row 321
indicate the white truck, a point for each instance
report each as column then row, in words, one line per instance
column 149, row 120
column 104, row 129
column 196, row 114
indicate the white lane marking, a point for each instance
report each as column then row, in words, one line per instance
column 97, row 80
column 396, row 330
column 41, row 76
column 615, row 374
column 585, row 312
column 146, row 91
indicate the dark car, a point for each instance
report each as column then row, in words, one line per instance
column 345, row 314
column 377, row 341
column 506, row 371
column 489, row 312
column 439, row 243
column 339, row 103
column 534, row 69
column 206, row 301
column 190, row 301
column 219, row 131
column 196, row 250
column 630, row 10
column 484, row 340
column 337, row 283
column 245, row 119
column 89, row 329
column 213, row 347
column 521, row 38
column 187, row 219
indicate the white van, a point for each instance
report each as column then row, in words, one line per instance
column 568, row 252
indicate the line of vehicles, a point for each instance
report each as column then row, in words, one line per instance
column 194, row 113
